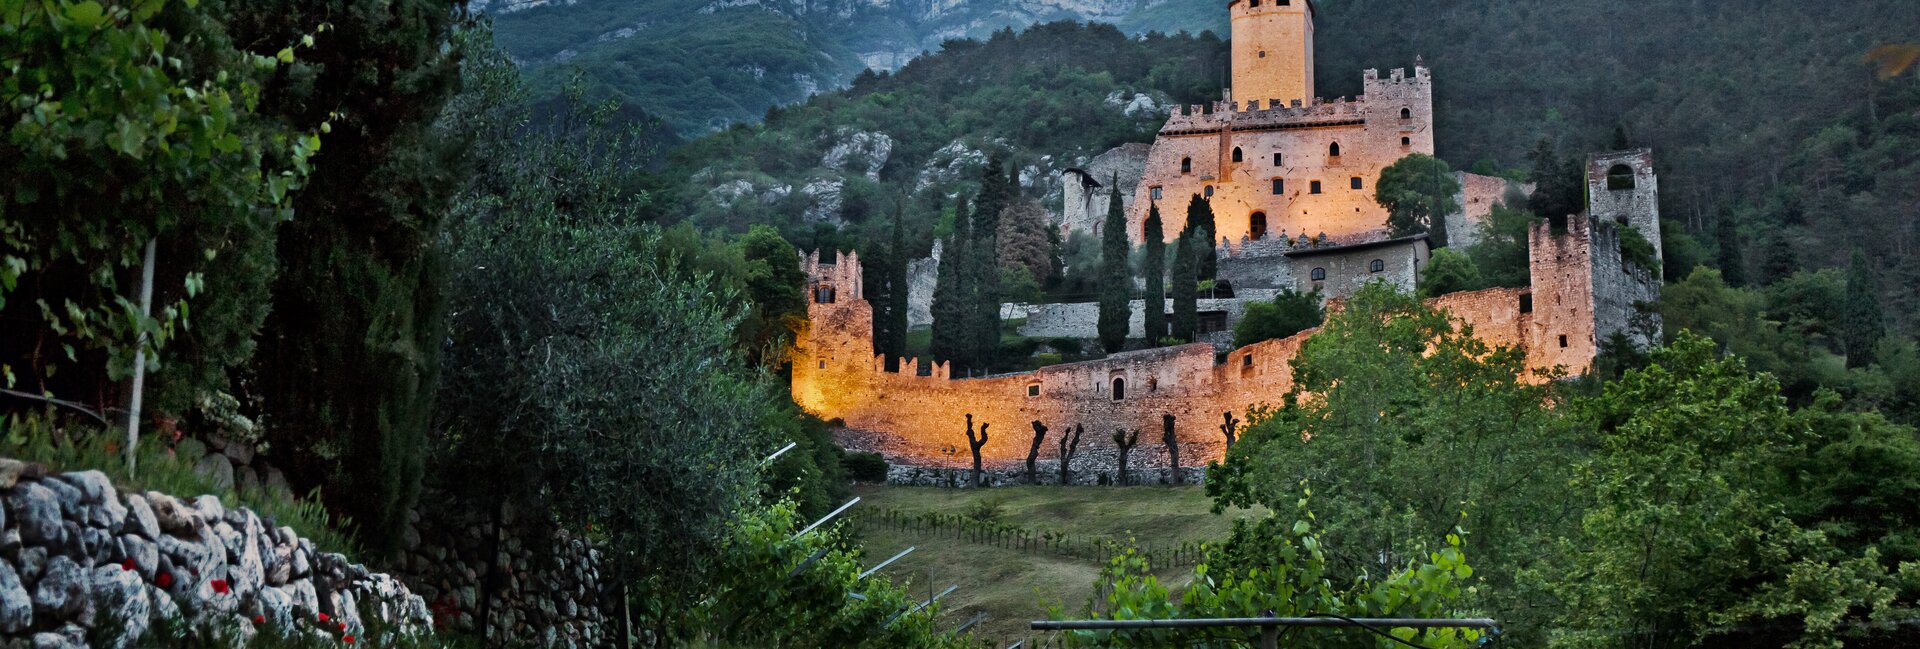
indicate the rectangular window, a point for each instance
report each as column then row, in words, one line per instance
column 1313, row 187
column 1209, row 191
column 1279, row 186
column 1033, row 390
column 1276, row 159
column 1356, row 182
column 1156, row 193
column 1563, row 340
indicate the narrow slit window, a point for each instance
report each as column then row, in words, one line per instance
column 1279, row 186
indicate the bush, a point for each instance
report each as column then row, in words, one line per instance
column 865, row 467
column 1289, row 313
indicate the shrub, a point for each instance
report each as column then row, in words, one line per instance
column 865, row 467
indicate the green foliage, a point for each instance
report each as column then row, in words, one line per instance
column 1501, row 252
column 865, row 467
column 1687, row 536
column 1559, row 183
column 1449, row 271
column 129, row 124
column 1417, row 191
column 1635, row 250
column 1185, row 281
column 1861, row 324
column 1289, row 313
column 768, row 590
column 1154, row 269
column 1116, row 278
column 349, row 354
column 1200, row 228
column 1280, row 566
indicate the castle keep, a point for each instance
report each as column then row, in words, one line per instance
column 1290, row 178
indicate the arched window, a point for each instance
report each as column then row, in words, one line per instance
column 1119, row 388
column 1318, row 274
column 1257, row 226
column 1236, row 154
column 1209, row 191
column 1333, row 150
column 1279, row 186
column 823, row 295
column 1186, row 165
column 1406, row 141
column 1376, row 266
column 1620, row 177
column 1276, row 159
column 1406, row 114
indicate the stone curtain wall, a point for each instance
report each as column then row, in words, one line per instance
column 82, row 564
column 544, row 587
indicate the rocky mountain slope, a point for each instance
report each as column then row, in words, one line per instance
column 701, row 65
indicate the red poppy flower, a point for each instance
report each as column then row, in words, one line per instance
column 127, row 565
column 220, row 586
column 348, row 639
column 259, row 619
column 323, row 617
column 164, row 580
column 343, row 626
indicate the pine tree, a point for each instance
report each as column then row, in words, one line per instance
column 1156, row 276
column 1115, row 278
column 1200, row 216
column 1557, row 188
column 1862, row 324
column 1185, row 278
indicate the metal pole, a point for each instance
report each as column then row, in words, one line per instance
column 1269, row 637
column 140, row 362
column 826, row 518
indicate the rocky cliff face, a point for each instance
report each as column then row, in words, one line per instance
column 83, row 564
column 705, row 64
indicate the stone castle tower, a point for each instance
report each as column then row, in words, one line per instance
column 1274, row 159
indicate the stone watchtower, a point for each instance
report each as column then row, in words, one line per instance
column 1622, row 188
column 1272, row 50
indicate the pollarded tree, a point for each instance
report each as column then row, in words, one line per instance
column 1154, row 269
column 1033, row 453
column 1069, row 446
column 1418, row 191
column 1116, row 280
column 1172, row 442
column 1124, row 441
column 974, row 444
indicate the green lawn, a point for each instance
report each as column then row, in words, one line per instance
column 1015, row 587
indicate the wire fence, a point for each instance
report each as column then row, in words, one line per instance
column 1087, row 547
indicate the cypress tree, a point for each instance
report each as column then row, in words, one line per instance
column 1199, row 217
column 1186, row 275
column 997, row 191
column 1156, row 274
column 1115, row 278
column 950, row 310
column 896, row 345
column 1862, row 324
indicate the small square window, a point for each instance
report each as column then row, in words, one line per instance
column 1156, row 193
column 1246, row 361
column 1406, row 141
column 1209, row 191
column 1276, row 159
column 1313, row 187
column 1356, row 182
column 823, row 365
column 1279, row 186
column 1033, row 390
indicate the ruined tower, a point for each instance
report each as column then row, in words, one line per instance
column 1272, row 51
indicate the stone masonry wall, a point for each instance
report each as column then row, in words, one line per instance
column 83, row 564
column 542, row 586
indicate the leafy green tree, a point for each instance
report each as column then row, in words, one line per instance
column 1116, row 279
column 1405, row 419
column 130, row 125
column 1501, row 251
column 1417, row 191
column 1289, row 313
column 1862, row 323
column 1154, row 268
column 1449, row 271
column 773, row 285
column 349, row 354
column 1200, row 217
column 1281, row 566
column 1185, row 282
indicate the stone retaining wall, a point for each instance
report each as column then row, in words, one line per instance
column 82, row 564
column 543, row 587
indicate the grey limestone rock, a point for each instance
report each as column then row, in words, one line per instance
column 216, row 468
column 16, row 607
column 140, row 519
column 33, row 563
column 145, row 554
column 123, row 607
column 173, row 516
column 36, row 509
column 62, row 591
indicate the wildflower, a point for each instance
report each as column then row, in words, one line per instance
column 220, row 586
column 348, row 639
column 323, row 617
column 164, row 580
column 259, row 619
column 127, row 565
column 343, row 626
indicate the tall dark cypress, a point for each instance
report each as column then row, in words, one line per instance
column 896, row 344
column 1115, row 278
column 1200, row 216
column 950, row 308
column 1156, row 276
column 1731, row 259
column 997, row 191
column 1862, row 323
column 1186, row 275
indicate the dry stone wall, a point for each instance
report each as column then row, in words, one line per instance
column 527, row 581
column 83, row 564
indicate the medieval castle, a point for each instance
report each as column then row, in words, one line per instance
column 1290, row 178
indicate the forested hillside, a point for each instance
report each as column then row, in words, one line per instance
column 1778, row 147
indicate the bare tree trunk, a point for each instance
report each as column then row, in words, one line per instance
column 1039, row 434
column 1228, row 427
column 1069, row 444
column 1173, row 447
column 139, row 363
column 975, row 445
column 1125, row 440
